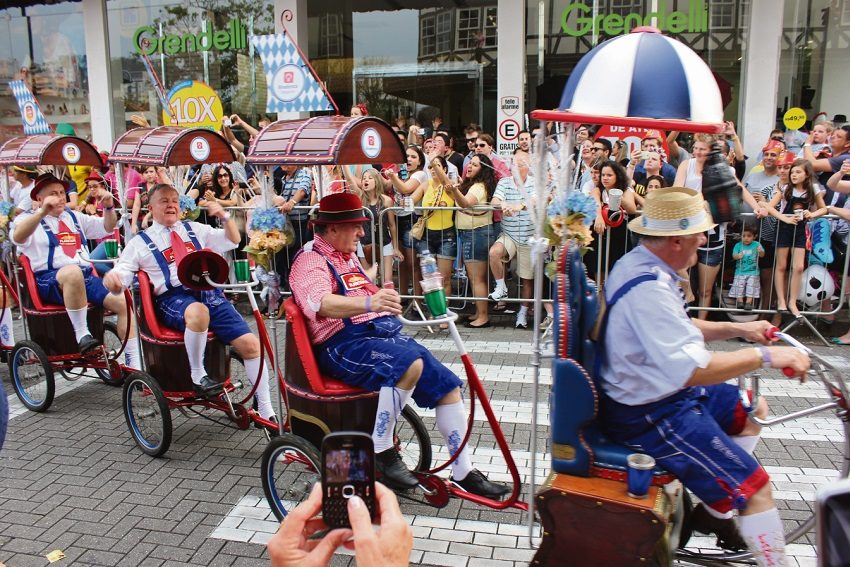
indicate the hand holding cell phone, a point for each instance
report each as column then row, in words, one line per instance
column 348, row 470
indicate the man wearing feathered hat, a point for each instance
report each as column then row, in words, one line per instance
column 665, row 392
column 52, row 237
column 358, row 340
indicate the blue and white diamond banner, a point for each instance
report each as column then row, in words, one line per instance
column 291, row 85
column 34, row 121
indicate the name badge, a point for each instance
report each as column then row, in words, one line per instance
column 169, row 253
column 69, row 239
column 356, row 280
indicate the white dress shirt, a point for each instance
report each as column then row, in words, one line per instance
column 136, row 255
column 37, row 246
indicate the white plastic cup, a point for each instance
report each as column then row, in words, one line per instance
column 614, row 198
column 799, row 214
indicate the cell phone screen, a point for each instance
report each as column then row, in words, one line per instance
column 347, row 465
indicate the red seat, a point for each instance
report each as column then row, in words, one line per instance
column 38, row 306
column 149, row 315
column 320, row 383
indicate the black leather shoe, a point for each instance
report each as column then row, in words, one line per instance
column 726, row 530
column 476, row 483
column 87, row 344
column 271, row 430
column 207, row 386
column 393, row 471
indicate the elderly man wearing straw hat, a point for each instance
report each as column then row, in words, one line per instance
column 665, row 392
column 358, row 340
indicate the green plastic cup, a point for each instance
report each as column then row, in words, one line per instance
column 111, row 248
column 436, row 302
column 243, row 271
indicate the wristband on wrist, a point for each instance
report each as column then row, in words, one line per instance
column 107, row 209
column 368, row 305
column 764, row 353
column 226, row 216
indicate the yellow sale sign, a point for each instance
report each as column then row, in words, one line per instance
column 794, row 118
column 194, row 105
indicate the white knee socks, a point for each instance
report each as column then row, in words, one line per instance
column 451, row 420
column 131, row 353
column 196, row 345
column 764, row 536
column 264, row 399
column 390, row 403
column 79, row 322
column 7, row 332
column 746, row 442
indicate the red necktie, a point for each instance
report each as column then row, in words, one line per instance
column 178, row 247
column 69, row 241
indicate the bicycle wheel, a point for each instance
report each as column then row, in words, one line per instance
column 112, row 343
column 32, row 376
column 289, row 469
column 413, row 441
column 147, row 414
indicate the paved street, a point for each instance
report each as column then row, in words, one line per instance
column 74, row 480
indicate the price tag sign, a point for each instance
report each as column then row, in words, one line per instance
column 195, row 105
column 794, row 118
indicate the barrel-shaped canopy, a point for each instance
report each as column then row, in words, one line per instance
column 641, row 79
column 171, row 145
column 326, row 140
column 49, row 149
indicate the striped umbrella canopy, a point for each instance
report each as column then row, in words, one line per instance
column 641, row 79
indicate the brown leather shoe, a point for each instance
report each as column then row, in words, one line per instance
column 726, row 530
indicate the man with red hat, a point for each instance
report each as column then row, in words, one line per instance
column 52, row 237
column 766, row 173
column 358, row 340
column 158, row 250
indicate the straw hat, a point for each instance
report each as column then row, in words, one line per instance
column 673, row 211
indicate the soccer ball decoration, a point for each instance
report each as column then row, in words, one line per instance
column 817, row 286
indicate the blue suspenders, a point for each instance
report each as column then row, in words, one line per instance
column 53, row 241
column 160, row 257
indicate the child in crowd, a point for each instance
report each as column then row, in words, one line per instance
column 746, row 284
column 800, row 201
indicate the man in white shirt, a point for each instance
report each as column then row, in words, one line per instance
column 20, row 193
column 52, row 237
column 158, row 250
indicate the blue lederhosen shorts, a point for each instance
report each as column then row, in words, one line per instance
column 225, row 321
column 688, row 435
column 375, row 354
column 49, row 291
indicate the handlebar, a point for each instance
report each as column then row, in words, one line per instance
column 775, row 334
column 449, row 316
column 254, row 281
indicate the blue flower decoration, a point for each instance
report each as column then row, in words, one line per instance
column 265, row 220
column 187, row 203
column 6, row 207
column 574, row 203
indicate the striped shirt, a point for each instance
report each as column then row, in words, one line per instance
column 291, row 184
column 311, row 280
column 518, row 226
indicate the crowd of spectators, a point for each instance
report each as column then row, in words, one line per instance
column 463, row 203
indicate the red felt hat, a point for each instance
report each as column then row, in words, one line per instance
column 774, row 145
column 340, row 208
column 786, row 158
column 94, row 176
column 44, row 180
column 193, row 268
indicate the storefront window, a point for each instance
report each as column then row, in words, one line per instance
column 189, row 42
column 714, row 29
column 412, row 64
column 45, row 45
column 814, row 65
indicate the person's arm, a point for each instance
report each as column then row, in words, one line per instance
column 404, row 187
column 465, row 201
column 236, row 119
column 26, row 225
column 737, row 252
column 774, row 212
column 628, row 202
column 839, row 212
column 673, row 144
column 725, row 365
column 351, row 179
column 72, row 199
column 137, row 208
column 681, row 174
column 231, row 201
column 230, row 228
column 335, row 306
column 388, row 203
column 835, row 180
column 748, row 197
column 760, row 249
column 231, row 138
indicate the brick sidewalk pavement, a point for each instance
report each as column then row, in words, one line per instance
column 74, row 480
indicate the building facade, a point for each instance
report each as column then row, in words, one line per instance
column 484, row 61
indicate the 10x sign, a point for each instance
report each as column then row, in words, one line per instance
column 195, row 105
